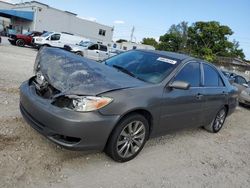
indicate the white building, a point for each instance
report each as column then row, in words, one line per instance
column 132, row 46
column 36, row 16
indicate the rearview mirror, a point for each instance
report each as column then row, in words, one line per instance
column 180, row 85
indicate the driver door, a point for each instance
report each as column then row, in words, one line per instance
column 183, row 108
column 93, row 52
column 55, row 40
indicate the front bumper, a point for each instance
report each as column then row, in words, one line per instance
column 36, row 45
column 12, row 41
column 73, row 130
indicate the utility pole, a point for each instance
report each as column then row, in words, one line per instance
column 132, row 34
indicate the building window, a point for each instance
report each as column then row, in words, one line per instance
column 102, row 32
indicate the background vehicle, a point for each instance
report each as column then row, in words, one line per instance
column 114, row 52
column 23, row 39
column 94, row 51
column 56, row 39
column 78, row 48
column 119, row 104
column 243, row 87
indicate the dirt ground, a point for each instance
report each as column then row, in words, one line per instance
column 189, row 158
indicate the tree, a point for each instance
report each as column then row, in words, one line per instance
column 150, row 41
column 175, row 39
column 208, row 40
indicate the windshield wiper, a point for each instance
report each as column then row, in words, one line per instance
column 127, row 72
column 124, row 70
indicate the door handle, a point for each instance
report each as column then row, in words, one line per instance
column 97, row 52
column 199, row 96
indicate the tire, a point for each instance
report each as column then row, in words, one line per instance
column 79, row 53
column 128, row 138
column 218, row 121
column 20, row 42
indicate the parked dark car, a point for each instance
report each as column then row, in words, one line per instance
column 23, row 39
column 117, row 105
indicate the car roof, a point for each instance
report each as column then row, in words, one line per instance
column 169, row 54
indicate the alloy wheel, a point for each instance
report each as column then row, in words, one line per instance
column 219, row 120
column 131, row 139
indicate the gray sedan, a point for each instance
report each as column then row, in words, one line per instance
column 117, row 105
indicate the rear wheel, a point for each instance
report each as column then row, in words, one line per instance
column 79, row 53
column 128, row 138
column 20, row 42
column 218, row 121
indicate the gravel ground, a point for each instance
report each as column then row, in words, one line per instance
column 188, row 158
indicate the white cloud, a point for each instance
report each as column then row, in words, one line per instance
column 119, row 22
column 13, row 1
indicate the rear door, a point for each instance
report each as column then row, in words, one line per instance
column 183, row 108
column 215, row 92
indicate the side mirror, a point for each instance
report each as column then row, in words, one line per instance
column 179, row 85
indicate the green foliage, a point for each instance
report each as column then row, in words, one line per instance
column 175, row 39
column 150, row 41
column 210, row 39
column 205, row 40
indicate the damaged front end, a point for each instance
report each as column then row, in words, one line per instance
column 76, row 83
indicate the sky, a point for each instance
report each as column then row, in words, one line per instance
column 152, row 18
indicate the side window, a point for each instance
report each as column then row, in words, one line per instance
column 55, row 37
column 103, row 48
column 211, row 77
column 102, row 32
column 240, row 80
column 93, row 47
column 190, row 74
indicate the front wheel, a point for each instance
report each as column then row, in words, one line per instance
column 218, row 121
column 128, row 138
column 79, row 53
column 20, row 42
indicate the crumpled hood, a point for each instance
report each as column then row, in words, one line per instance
column 72, row 74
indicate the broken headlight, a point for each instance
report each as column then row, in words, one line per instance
column 82, row 103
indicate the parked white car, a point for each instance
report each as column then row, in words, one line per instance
column 95, row 51
column 56, row 39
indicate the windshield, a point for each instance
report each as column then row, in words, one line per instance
column 28, row 33
column 85, row 43
column 46, row 34
column 147, row 66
